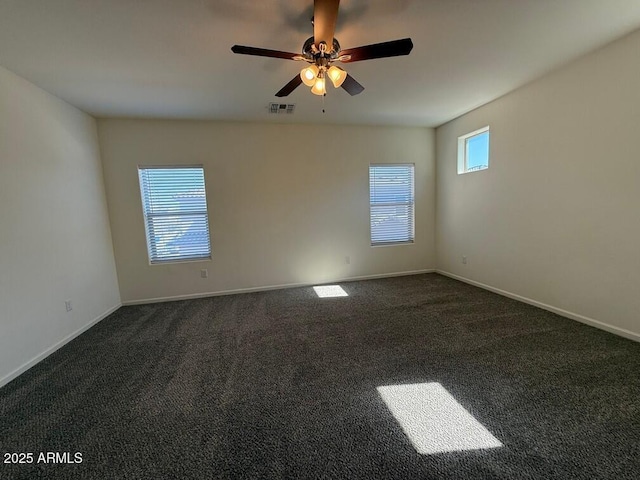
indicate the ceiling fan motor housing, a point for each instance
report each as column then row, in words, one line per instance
column 312, row 54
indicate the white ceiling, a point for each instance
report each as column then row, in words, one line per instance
column 172, row 58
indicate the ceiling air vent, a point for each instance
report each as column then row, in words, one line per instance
column 280, row 108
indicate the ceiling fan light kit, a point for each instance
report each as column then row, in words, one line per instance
column 320, row 57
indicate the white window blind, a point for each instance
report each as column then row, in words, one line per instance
column 391, row 189
column 175, row 213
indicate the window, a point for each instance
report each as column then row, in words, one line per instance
column 473, row 151
column 174, row 203
column 392, row 204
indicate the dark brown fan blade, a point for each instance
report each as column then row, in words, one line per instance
column 263, row 52
column 352, row 86
column 393, row 48
column 290, row 87
column 325, row 16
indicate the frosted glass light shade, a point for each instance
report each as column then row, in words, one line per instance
column 337, row 76
column 309, row 74
column 319, row 87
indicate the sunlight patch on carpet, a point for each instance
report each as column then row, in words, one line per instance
column 433, row 420
column 325, row 291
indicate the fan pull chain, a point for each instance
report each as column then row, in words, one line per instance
column 324, row 95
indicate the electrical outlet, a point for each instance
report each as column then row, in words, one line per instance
column 67, row 305
column 204, row 273
column 347, row 260
column 464, row 259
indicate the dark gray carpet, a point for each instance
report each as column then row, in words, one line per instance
column 282, row 384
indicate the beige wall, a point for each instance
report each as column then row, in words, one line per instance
column 287, row 203
column 555, row 218
column 55, row 243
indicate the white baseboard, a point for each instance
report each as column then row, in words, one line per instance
column 38, row 358
column 271, row 287
column 564, row 313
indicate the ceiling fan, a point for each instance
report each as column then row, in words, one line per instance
column 323, row 49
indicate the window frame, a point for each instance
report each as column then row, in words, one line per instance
column 412, row 204
column 145, row 215
column 463, row 152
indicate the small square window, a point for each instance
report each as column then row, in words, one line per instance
column 473, row 151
